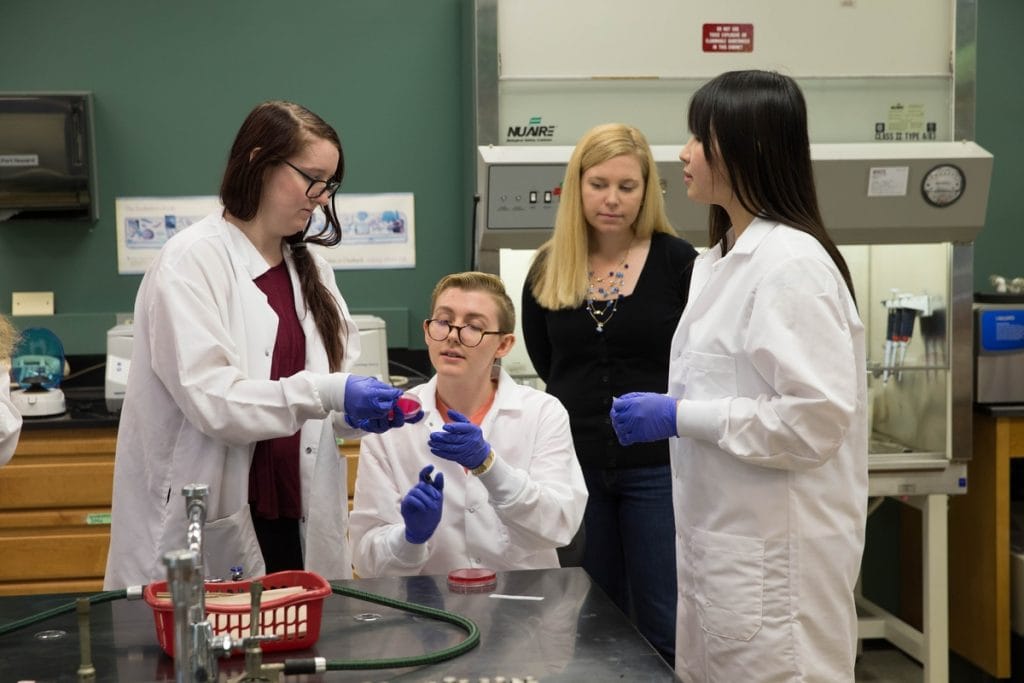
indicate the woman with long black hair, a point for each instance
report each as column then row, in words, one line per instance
column 766, row 404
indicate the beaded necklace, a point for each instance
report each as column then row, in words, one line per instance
column 606, row 290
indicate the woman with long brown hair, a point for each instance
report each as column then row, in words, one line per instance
column 239, row 377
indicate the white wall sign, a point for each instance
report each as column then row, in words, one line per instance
column 377, row 231
column 144, row 224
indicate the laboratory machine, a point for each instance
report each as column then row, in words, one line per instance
column 37, row 368
column 999, row 349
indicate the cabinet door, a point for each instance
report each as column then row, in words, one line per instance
column 55, row 511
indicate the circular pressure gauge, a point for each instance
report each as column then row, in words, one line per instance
column 943, row 185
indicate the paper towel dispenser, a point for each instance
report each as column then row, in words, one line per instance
column 47, row 165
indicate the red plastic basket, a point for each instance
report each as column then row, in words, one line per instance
column 295, row 617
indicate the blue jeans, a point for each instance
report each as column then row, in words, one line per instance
column 630, row 549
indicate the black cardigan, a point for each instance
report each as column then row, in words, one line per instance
column 585, row 368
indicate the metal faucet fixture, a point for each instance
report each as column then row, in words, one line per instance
column 195, row 647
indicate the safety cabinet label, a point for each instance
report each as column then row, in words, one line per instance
column 728, row 37
column 1002, row 330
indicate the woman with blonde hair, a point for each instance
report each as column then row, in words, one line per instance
column 10, row 419
column 601, row 302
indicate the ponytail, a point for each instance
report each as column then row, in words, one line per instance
column 321, row 304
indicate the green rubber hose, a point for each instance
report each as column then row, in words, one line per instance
column 471, row 640
column 299, row 666
column 96, row 599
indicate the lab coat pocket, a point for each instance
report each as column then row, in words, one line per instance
column 708, row 375
column 729, row 583
column 231, row 541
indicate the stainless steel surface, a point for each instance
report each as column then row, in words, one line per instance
column 194, row 651
column 514, row 181
column 486, row 70
column 899, row 481
column 181, row 568
column 575, row 633
column 963, row 60
column 961, row 375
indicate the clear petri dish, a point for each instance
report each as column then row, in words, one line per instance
column 53, row 634
column 367, row 616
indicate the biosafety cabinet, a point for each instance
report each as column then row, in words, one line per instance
column 904, row 215
column 902, row 188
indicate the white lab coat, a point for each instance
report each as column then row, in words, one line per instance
column 10, row 421
column 198, row 399
column 770, row 470
column 513, row 516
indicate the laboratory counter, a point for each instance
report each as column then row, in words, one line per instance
column 551, row 624
column 86, row 408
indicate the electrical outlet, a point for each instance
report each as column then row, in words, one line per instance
column 32, row 303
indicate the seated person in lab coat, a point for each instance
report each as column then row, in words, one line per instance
column 10, row 419
column 489, row 478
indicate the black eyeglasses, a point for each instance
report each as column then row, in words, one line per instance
column 469, row 335
column 316, row 186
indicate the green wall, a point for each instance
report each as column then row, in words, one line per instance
column 999, row 119
column 171, row 83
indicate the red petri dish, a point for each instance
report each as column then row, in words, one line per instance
column 472, row 580
column 408, row 404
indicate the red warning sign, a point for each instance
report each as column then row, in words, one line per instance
column 728, row 37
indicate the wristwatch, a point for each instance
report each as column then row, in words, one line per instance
column 484, row 466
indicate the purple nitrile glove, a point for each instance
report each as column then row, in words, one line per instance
column 402, row 414
column 643, row 416
column 460, row 441
column 377, row 425
column 368, row 398
column 421, row 506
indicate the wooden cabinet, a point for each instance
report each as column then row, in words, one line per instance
column 55, row 511
column 979, row 547
column 55, row 498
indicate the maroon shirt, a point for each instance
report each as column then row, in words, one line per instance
column 275, row 489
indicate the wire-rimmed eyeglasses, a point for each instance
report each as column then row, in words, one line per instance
column 469, row 335
column 316, row 187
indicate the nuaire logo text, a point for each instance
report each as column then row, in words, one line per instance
column 534, row 131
